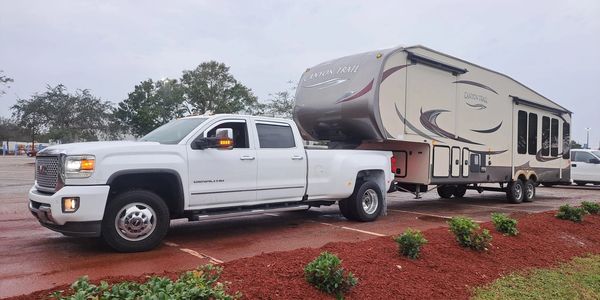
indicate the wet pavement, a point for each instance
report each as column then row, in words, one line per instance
column 34, row 258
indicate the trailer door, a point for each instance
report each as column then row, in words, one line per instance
column 465, row 162
column 455, row 162
column 441, row 161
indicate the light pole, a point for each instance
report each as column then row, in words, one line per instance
column 587, row 142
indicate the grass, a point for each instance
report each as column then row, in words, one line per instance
column 578, row 279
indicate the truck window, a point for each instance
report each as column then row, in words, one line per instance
column 522, row 133
column 240, row 133
column 583, row 157
column 554, row 137
column 275, row 136
column 566, row 140
column 545, row 136
column 532, row 134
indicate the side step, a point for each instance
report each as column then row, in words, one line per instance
column 212, row 214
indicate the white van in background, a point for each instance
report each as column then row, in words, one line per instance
column 585, row 166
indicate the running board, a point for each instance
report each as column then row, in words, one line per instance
column 244, row 211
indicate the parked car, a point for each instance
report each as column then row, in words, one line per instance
column 585, row 166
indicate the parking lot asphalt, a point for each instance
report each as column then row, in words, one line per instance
column 34, row 258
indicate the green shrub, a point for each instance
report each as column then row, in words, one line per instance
column 504, row 224
column 567, row 212
column 591, row 207
column 468, row 233
column 410, row 242
column 327, row 275
column 201, row 283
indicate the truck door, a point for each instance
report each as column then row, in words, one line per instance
column 224, row 177
column 281, row 163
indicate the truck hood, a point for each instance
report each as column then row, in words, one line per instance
column 98, row 147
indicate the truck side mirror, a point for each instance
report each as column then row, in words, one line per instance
column 222, row 143
column 594, row 161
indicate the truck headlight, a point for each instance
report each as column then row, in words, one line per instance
column 79, row 166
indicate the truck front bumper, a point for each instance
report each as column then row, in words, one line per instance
column 85, row 221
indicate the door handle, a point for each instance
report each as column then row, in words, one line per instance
column 573, row 165
column 297, row 157
column 247, row 157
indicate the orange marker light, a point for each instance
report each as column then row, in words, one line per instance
column 87, row 164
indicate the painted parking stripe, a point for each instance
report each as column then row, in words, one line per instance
column 426, row 214
column 353, row 229
column 171, row 244
column 211, row 259
column 493, row 207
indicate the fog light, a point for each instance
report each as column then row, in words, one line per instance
column 70, row 204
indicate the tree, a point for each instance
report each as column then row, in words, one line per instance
column 4, row 80
column 150, row 105
column 575, row 145
column 280, row 104
column 65, row 117
column 210, row 88
column 9, row 130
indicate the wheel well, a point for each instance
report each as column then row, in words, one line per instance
column 522, row 177
column 533, row 178
column 377, row 176
column 165, row 184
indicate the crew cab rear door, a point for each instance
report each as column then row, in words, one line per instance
column 281, row 163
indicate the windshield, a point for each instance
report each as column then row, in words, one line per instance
column 597, row 153
column 173, row 132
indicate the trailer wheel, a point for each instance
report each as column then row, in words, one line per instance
column 515, row 191
column 445, row 191
column 365, row 204
column 135, row 221
column 460, row 191
column 529, row 191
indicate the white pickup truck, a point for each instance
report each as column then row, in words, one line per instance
column 194, row 167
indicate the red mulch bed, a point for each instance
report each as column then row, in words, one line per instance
column 444, row 269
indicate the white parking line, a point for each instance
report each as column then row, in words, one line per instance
column 171, row 244
column 422, row 214
column 353, row 229
column 492, row 207
column 211, row 259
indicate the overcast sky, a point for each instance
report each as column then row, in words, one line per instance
column 109, row 46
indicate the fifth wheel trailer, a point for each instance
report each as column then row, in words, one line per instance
column 450, row 123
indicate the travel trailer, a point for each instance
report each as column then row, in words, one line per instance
column 451, row 124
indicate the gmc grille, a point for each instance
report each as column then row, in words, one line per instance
column 47, row 170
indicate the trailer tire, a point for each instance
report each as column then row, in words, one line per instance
column 135, row 221
column 445, row 191
column 365, row 203
column 529, row 191
column 515, row 191
column 460, row 191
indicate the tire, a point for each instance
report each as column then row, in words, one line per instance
column 459, row 191
column 445, row 191
column 529, row 191
column 343, row 204
column 134, row 209
column 515, row 191
column 580, row 183
column 365, row 204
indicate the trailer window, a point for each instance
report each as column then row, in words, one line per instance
column 545, row 136
column 566, row 140
column 554, row 138
column 522, row 133
column 275, row 136
column 532, row 134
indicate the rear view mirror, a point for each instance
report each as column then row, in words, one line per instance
column 222, row 143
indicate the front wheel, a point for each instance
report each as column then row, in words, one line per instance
column 135, row 221
column 515, row 191
column 365, row 204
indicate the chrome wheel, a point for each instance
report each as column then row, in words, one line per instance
column 370, row 201
column 518, row 191
column 529, row 191
column 135, row 221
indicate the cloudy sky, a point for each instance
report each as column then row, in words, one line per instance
column 109, row 46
